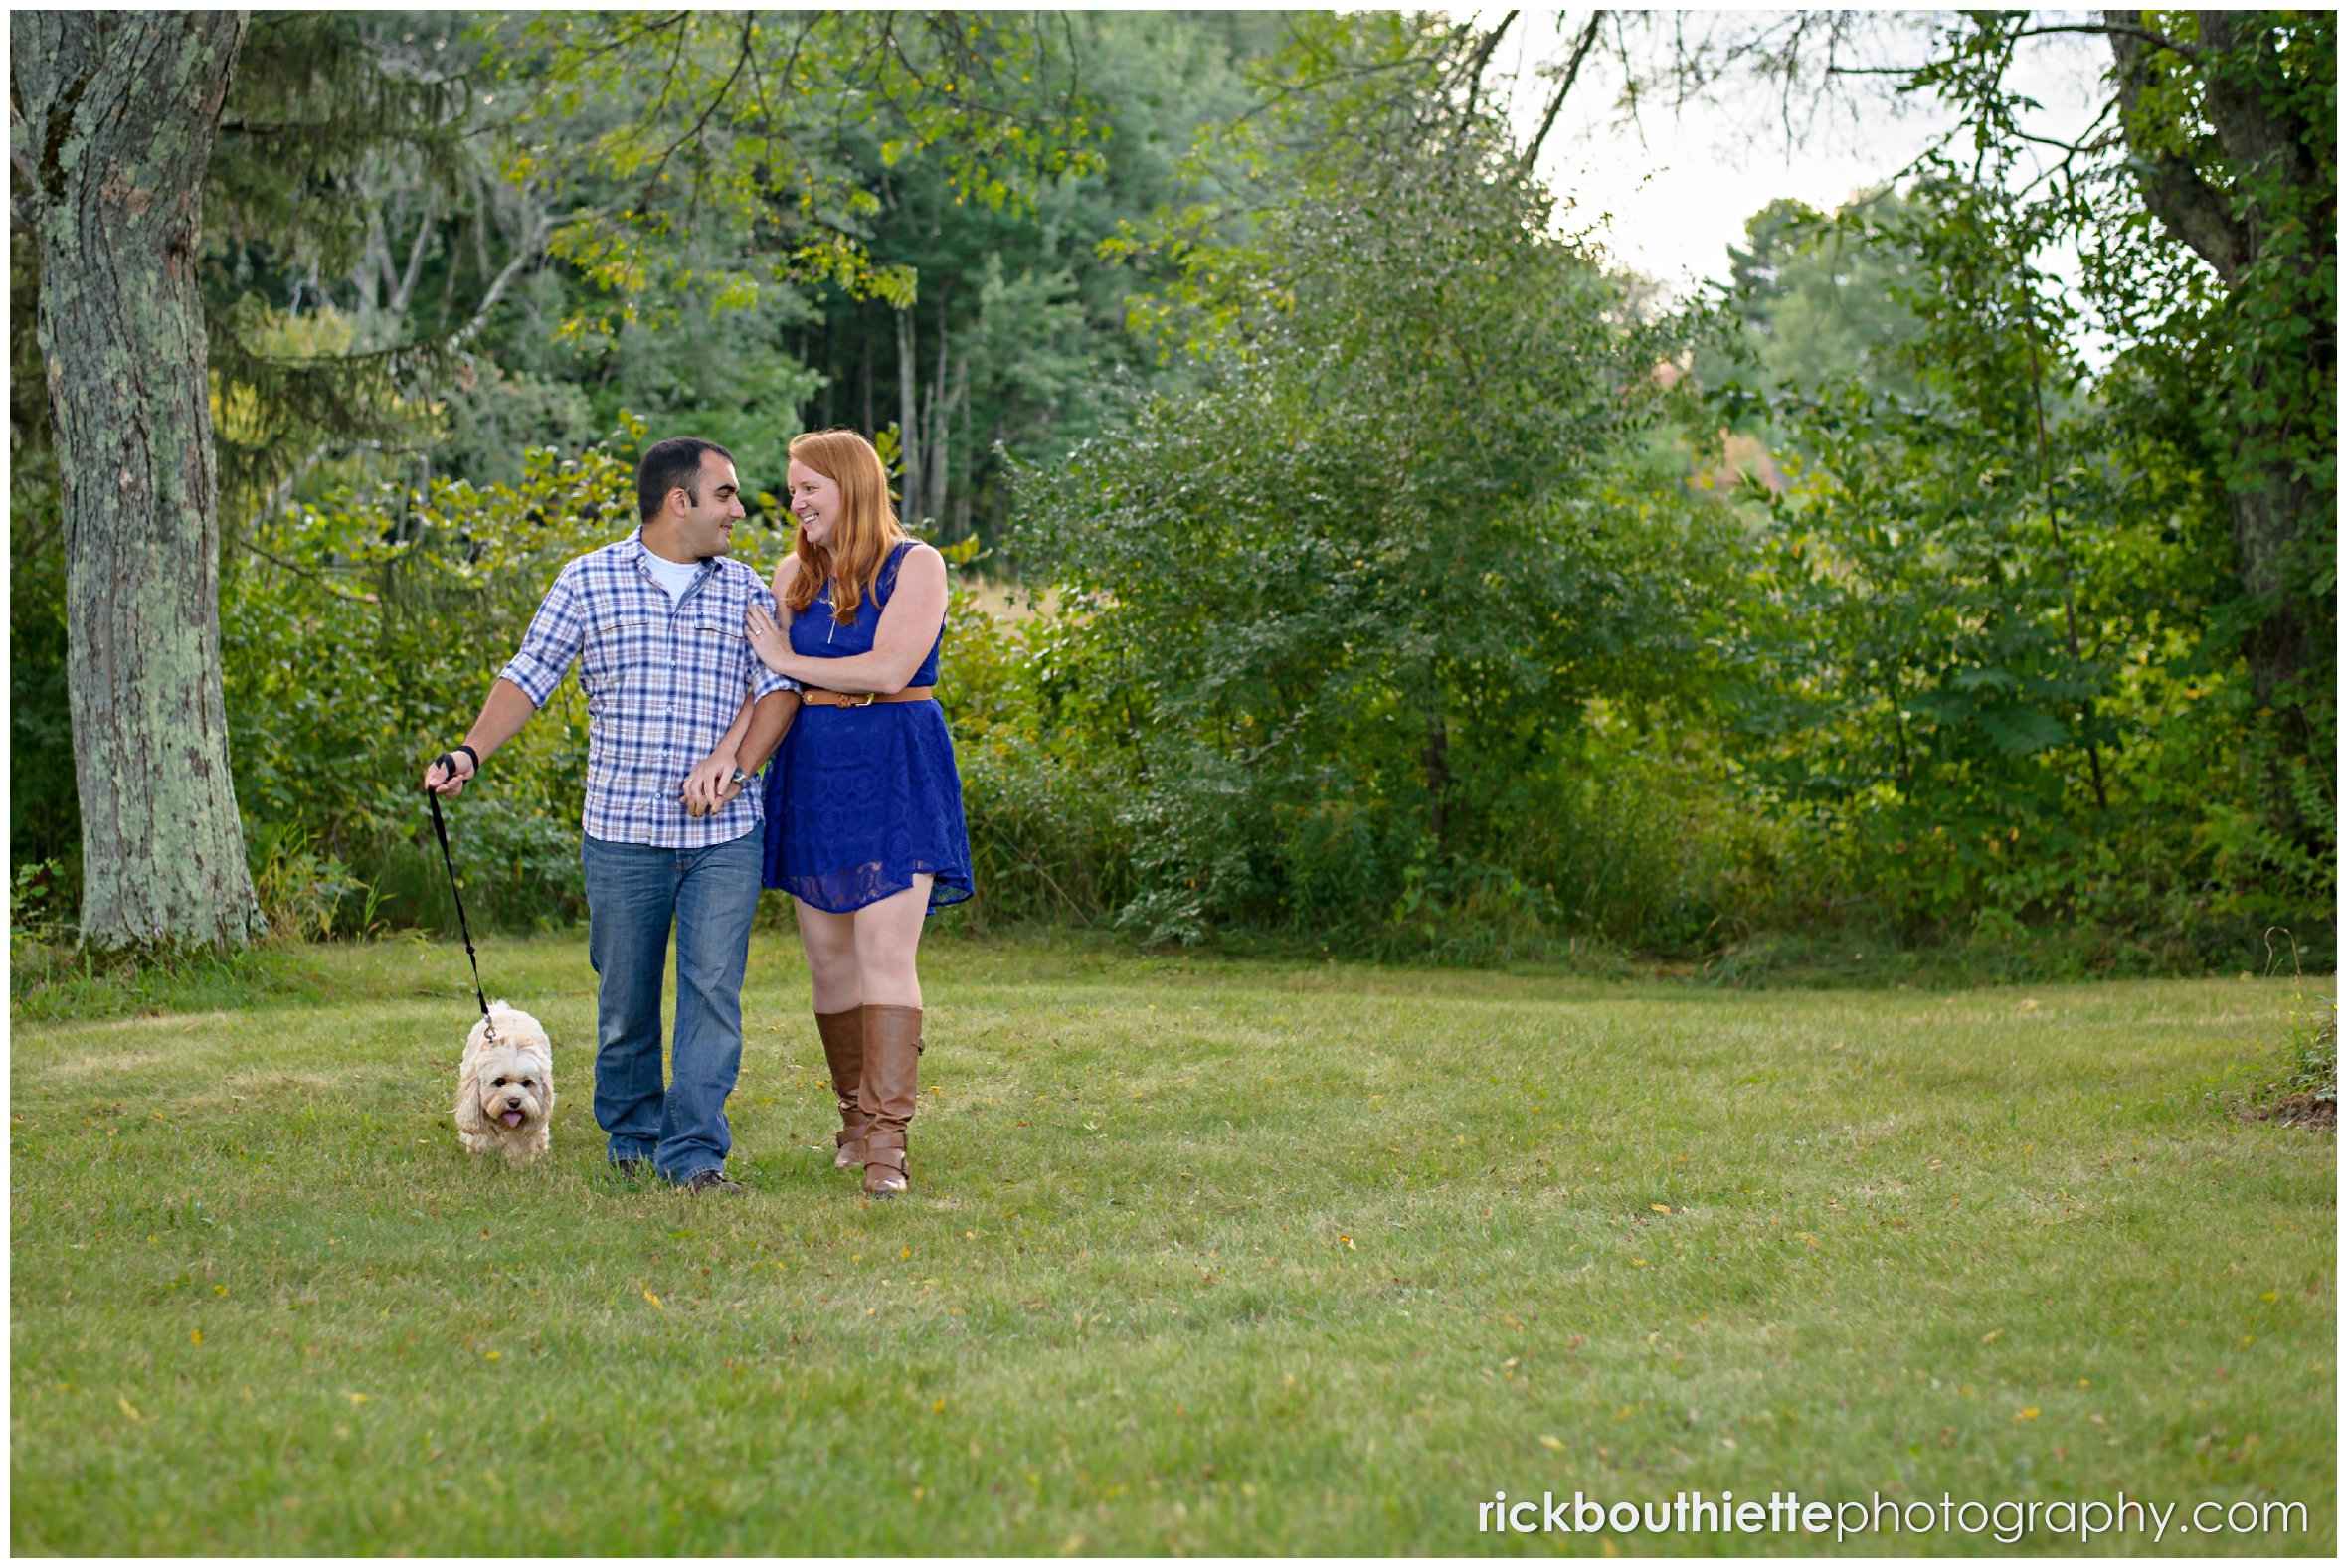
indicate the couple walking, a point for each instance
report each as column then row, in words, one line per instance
column 695, row 675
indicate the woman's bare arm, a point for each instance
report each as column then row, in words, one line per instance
column 909, row 626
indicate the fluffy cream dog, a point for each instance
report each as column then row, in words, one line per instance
column 506, row 1089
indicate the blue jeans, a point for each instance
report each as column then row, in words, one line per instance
column 635, row 893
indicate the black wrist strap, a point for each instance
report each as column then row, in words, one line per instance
column 467, row 749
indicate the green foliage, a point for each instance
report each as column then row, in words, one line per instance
column 363, row 645
column 325, row 109
column 1371, row 605
column 2207, row 228
column 1046, row 842
column 1332, row 604
column 303, row 893
column 1968, row 652
column 2313, row 1073
column 44, row 815
column 363, row 639
column 723, row 169
column 1815, row 297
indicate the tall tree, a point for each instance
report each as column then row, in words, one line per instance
column 1813, row 294
column 1349, row 586
column 114, row 116
column 2229, row 122
column 2202, row 200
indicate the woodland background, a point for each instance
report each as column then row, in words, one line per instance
column 1350, row 557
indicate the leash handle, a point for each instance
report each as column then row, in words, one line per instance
column 439, row 829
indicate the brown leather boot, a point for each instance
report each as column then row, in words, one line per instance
column 844, row 1049
column 891, row 1082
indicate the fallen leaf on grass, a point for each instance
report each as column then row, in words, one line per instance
column 1556, row 1444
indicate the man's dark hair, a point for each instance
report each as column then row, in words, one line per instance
column 672, row 464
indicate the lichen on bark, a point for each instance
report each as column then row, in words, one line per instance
column 118, row 115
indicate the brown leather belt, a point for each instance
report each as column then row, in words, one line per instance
column 818, row 697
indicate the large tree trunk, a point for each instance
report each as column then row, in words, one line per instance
column 119, row 112
column 2276, row 515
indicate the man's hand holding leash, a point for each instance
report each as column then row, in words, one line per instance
column 448, row 771
column 501, row 719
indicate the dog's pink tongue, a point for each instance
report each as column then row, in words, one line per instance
column 513, row 1119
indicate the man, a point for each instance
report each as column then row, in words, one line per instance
column 657, row 622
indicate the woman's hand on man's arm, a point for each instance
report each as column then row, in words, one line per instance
column 767, row 640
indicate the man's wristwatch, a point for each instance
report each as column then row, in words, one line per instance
column 739, row 780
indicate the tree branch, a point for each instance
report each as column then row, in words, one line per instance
column 2195, row 211
column 1483, row 58
column 2115, row 30
column 328, row 584
column 742, row 59
column 1565, row 85
column 405, row 288
column 532, row 244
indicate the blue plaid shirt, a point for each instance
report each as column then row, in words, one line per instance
column 663, row 681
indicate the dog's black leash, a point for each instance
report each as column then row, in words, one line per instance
column 439, row 827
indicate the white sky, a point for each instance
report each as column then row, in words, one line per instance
column 1675, row 190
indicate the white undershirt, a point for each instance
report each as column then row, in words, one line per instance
column 674, row 575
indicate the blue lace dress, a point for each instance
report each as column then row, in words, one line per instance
column 861, row 801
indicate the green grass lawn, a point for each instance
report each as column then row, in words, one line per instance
column 1201, row 1256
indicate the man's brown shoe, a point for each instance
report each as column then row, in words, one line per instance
column 844, row 1051
column 710, row 1180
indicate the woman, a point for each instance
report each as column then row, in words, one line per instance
column 864, row 825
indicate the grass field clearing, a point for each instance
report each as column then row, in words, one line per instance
column 1203, row 1255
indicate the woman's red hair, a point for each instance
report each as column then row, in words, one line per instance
column 866, row 529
